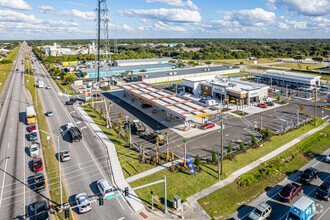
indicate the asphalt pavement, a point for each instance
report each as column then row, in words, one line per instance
column 280, row 208
column 89, row 161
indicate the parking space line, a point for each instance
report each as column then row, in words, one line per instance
column 3, row 180
column 324, row 213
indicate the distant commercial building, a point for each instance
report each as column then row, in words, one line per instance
column 219, row 87
column 167, row 76
column 135, row 62
column 111, row 71
column 290, row 79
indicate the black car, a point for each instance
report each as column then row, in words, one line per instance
column 270, row 103
column 41, row 210
column 324, row 190
column 71, row 101
column 39, row 181
column 308, row 175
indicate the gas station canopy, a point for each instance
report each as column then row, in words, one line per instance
column 172, row 103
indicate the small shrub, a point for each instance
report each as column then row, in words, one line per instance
column 253, row 140
column 214, row 156
column 197, row 160
column 246, row 180
column 267, row 133
column 241, row 145
column 230, row 147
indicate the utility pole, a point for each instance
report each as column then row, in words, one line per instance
column 297, row 117
column 260, row 121
column 315, row 105
column 221, row 145
column 98, row 39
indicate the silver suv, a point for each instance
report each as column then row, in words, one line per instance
column 262, row 211
column 104, row 187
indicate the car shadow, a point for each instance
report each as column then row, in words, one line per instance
column 27, row 136
column 93, row 187
column 21, row 117
column 27, row 151
column 243, row 211
column 30, row 164
column 30, row 182
column 72, row 202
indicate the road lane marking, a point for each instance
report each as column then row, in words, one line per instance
column 122, row 218
column 78, row 122
column 120, row 202
column 79, row 166
column 11, row 129
column 3, row 180
column 324, row 213
column 8, row 144
column 325, row 117
column 12, row 118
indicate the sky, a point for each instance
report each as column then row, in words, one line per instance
column 75, row 19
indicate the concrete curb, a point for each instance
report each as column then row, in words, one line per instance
column 133, row 200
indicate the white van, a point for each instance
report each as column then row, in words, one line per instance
column 40, row 84
column 211, row 102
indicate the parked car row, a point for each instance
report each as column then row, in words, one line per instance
column 300, row 209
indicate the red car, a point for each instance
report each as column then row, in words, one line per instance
column 37, row 165
column 32, row 127
column 207, row 126
column 262, row 105
column 146, row 105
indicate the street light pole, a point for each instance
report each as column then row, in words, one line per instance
column 221, row 144
column 315, row 105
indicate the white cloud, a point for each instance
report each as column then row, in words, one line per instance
column 283, row 26
column 297, row 24
column 46, row 8
column 165, row 14
column 282, row 17
column 161, row 26
column 320, row 22
column 15, row 4
column 88, row 15
column 13, row 16
column 253, row 17
column 124, row 27
column 188, row 4
column 305, row 7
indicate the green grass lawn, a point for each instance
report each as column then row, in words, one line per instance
column 67, row 87
column 185, row 185
column 129, row 159
column 231, row 62
column 47, row 147
column 167, row 82
column 6, row 68
column 303, row 66
column 227, row 200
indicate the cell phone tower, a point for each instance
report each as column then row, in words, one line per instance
column 103, row 45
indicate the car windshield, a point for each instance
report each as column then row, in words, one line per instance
column 37, row 163
column 39, row 179
column 257, row 212
column 66, row 155
column 85, row 206
column 33, row 149
column 108, row 191
column 286, row 192
column 324, row 188
column 82, row 199
column 292, row 217
column 305, row 175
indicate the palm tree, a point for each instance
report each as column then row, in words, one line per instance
column 143, row 153
column 172, row 166
column 120, row 116
column 157, row 152
column 167, row 147
column 119, row 128
column 227, row 97
column 185, row 152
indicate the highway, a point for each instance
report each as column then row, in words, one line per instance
column 280, row 208
column 16, row 192
column 89, row 159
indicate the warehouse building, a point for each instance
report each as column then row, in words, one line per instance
column 219, row 87
column 119, row 70
column 290, row 79
column 168, row 76
column 135, row 62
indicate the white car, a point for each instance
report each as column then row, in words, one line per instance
column 327, row 159
column 47, row 87
column 104, row 187
column 34, row 150
column 83, row 203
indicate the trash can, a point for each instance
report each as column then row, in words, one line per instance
column 176, row 203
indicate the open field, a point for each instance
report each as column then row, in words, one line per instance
column 184, row 185
column 303, row 66
column 223, row 202
column 6, row 68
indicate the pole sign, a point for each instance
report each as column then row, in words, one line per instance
column 88, row 94
column 190, row 165
column 113, row 196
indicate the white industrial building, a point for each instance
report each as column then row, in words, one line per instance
column 135, row 62
column 179, row 74
column 290, row 79
column 220, row 87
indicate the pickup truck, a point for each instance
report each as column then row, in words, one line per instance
column 289, row 191
column 75, row 133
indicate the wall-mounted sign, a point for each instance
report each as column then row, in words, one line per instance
column 88, row 94
column 254, row 93
column 219, row 89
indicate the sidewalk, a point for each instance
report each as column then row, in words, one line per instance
column 152, row 171
column 192, row 204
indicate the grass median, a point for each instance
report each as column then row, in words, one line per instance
column 6, row 68
column 184, row 185
column 48, row 150
column 129, row 159
column 302, row 65
column 227, row 200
